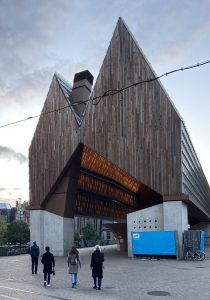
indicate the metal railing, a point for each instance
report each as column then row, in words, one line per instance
column 9, row 250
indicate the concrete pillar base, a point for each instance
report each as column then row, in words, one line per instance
column 168, row 216
column 48, row 229
column 175, row 215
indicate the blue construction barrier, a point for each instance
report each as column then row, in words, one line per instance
column 202, row 241
column 154, row 243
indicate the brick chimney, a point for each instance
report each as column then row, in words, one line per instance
column 81, row 90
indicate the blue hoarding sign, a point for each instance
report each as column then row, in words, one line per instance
column 202, row 241
column 154, row 243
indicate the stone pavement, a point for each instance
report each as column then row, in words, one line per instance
column 124, row 278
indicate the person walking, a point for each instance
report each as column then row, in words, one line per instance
column 48, row 262
column 73, row 262
column 34, row 252
column 96, row 265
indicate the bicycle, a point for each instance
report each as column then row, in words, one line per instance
column 194, row 255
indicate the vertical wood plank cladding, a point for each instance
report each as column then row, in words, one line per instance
column 141, row 134
column 53, row 143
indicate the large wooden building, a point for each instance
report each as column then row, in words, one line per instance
column 108, row 157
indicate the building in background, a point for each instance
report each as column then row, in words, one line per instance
column 19, row 210
column 10, row 213
column 5, row 212
column 104, row 234
column 22, row 213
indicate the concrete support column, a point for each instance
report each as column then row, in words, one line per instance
column 49, row 229
column 36, row 228
column 144, row 220
column 175, row 215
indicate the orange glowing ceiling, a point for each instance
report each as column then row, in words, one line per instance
column 98, row 164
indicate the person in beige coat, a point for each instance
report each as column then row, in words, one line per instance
column 74, row 263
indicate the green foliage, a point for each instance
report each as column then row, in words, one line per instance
column 18, row 232
column 77, row 236
column 88, row 231
column 3, row 232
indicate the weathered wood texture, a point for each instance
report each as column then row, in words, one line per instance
column 55, row 139
column 141, row 133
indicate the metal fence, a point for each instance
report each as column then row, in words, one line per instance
column 9, row 250
column 192, row 240
column 92, row 243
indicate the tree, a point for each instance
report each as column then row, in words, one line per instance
column 77, row 236
column 3, row 232
column 88, row 231
column 18, row 232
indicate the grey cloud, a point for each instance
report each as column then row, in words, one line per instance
column 202, row 31
column 10, row 154
column 173, row 30
column 172, row 52
column 35, row 37
column 34, row 46
column 30, row 90
column 3, row 189
column 27, row 34
column 35, row 43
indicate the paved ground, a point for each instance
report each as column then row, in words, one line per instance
column 124, row 278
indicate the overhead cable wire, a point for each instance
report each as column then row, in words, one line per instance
column 32, row 117
column 111, row 92
column 149, row 80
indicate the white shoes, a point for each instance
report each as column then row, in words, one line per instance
column 45, row 284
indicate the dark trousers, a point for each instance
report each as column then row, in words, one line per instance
column 47, row 277
column 99, row 281
column 34, row 261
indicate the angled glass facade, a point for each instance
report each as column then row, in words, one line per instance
column 67, row 89
column 65, row 85
column 194, row 182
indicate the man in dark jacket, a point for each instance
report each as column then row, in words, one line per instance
column 96, row 265
column 34, row 251
column 48, row 265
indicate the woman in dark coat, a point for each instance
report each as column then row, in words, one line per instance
column 96, row 265
column 48, row 265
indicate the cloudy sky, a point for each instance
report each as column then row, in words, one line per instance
column 41, row 37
